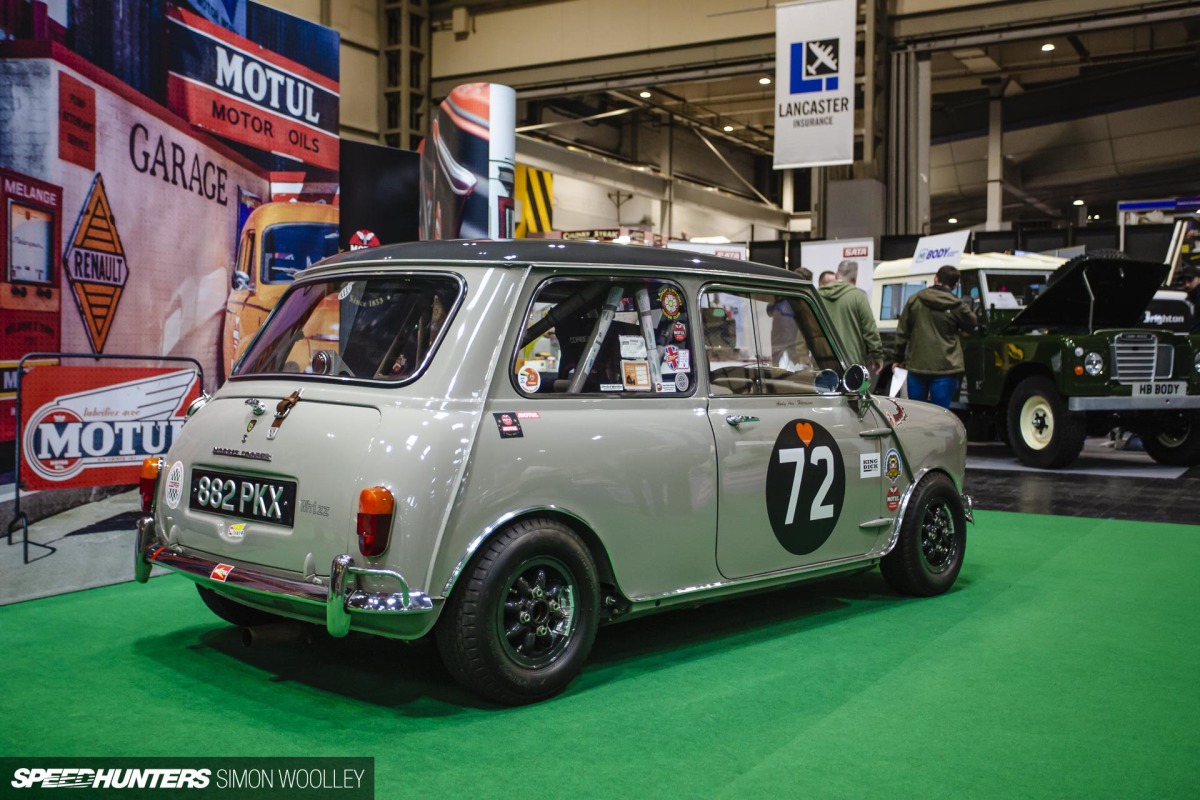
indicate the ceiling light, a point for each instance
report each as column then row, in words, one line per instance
column 1048, row 47
column 1077, row 203
column 644, row 95
column 765, row 81
column 728, row 129
column 953, row 220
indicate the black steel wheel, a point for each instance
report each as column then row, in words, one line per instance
column 520, row 622
column 234, row 612
column 932, row 543
column 1175, row 442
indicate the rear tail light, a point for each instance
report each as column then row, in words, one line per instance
column 375, row 508
column 148, row 481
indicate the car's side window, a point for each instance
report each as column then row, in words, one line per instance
column 894, row 296
column 624, row 336
column 763, row 344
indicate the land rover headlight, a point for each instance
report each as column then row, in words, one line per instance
column 1093, row 364
column 1196, row 362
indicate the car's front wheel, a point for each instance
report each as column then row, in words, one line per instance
column 933, row 540
column 1042, row 431
column 518, row 626
column 1176, row 442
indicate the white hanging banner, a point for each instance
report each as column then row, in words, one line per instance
column 941, row 250
column 814, row 83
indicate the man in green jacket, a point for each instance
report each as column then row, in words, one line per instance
column 850, row 312
column 927, row 339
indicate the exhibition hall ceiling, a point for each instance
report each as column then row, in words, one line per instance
column 1101, row 115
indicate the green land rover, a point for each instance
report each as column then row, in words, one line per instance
column 1063, row 351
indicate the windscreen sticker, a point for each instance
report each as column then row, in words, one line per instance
column 529, row 379
column 670, row 302
column 636, row 375
column 806, row 486
column 509, row 425
column 174, row 488
column 676, row 359
column 633, row 347
column 681, row 382
column 868, row 465
column 679, row 331
column 612, row 387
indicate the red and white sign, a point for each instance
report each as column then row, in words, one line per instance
column 826, row 256
column 93, row 426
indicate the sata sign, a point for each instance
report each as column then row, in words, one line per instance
column 239, row 90
column 79, row 428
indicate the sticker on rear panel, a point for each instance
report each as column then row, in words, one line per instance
column 174, row 488
column 529, row 379
column 509, row 425
column 892, row 466
column 806, row 485
column 220, row 572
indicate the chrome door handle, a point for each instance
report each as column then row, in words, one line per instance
column 738, row 419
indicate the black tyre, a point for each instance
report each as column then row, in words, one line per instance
column 234, row 612
column 521, row 620
column 933, row 540
column 1176, row 442
column 1041, row 431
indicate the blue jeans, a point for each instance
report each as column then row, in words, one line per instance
column 937, row 389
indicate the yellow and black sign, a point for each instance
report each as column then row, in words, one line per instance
column 95, row 265
column 534, row 190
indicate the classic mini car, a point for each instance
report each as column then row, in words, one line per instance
column 510, row 443
column 1066, row 349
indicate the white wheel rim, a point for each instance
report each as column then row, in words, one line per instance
column 1037, row 423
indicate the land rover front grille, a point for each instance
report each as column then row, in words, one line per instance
column 1139, row 357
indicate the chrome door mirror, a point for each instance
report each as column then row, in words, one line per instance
column 857, row 380
column 241, row 281
column 827, row 382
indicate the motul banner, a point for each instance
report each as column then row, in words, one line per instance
column 814, row 83
column 239, row 90
column 93, row 426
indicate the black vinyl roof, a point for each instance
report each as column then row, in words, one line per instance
column 557, row 253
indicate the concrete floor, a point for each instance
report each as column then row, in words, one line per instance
column 95, row 541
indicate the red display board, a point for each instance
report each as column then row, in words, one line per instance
column 93, row 426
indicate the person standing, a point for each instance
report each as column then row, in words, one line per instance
column 927, row 339
column 850, row 312
column 1191, row 285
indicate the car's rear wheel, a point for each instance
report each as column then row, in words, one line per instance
column 518, row 626
column 1175, row 442
column 234, row 612
column 933, row 540
column 1042, row 431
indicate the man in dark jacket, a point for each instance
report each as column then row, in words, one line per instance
column 850, row 311
column 1191, row 285
column 927, row 342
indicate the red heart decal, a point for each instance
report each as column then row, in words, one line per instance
column 805, row 432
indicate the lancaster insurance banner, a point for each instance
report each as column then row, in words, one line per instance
column 93, row 426
column 814, row 83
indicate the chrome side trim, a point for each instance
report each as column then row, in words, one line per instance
column 1132, row 403
column 341, row 600
column 504, row 519
column 718, row 588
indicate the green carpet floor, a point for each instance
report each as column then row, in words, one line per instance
column 1064, row 664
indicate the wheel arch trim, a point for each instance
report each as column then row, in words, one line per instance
column 580, row 526
column 922, row 474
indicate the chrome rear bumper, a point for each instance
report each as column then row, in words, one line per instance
column 342, row 599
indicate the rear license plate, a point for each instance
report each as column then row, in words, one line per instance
column 261, row 499
column 1160, row 389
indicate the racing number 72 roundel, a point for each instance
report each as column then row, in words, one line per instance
column 806, row 484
